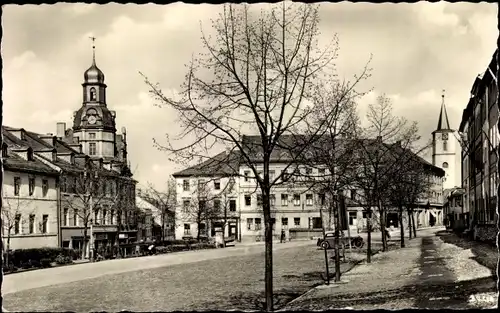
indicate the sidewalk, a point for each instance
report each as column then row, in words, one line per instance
column 387, row 271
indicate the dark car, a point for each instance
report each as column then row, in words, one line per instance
column 328, row 242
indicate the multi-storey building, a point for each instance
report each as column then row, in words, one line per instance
column 479, row 132
column 94, row 186
column 296, row 208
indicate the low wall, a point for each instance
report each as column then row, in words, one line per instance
column 305, row 234
column 487, row 233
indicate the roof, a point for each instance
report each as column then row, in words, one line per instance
column 227, row 163
column 223, row 164
column 443, row 122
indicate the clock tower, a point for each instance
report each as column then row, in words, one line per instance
column 94, row 124
column 444, row 149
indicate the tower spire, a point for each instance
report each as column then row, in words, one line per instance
column 443, row 122
column 93, row 49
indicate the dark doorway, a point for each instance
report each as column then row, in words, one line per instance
column 392, row 219
column 432, row 220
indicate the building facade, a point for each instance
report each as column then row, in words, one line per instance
column 479, row 133
column 95, row 191
column 296, row 209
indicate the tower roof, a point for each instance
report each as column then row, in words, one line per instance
column 443, row 122
column 93, row 74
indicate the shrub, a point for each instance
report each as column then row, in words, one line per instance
column 176, row 248
column 34, row 263
column 162, row 249
column 22, row 256
column 44, row 263
column 199, row 246
column 63, row 259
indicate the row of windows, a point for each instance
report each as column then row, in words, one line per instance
column 285, row 174
column 31, row 186
column 101, row 217
column 19, row 222
column 217, row 205
column 285, row 199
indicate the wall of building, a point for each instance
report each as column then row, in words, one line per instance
column 26, row 205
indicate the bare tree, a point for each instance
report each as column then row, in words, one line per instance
column 164, row 201
column 13, row 208
column 89, row 192
column 382, row 146
column 263, row 71
column 199, row 209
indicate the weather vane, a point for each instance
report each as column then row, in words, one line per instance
column 93, row 47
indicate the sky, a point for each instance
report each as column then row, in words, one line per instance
column 418, row 50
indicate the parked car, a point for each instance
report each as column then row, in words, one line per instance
column 328, row 242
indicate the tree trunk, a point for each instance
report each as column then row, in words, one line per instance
column 409, row 223
column 163, row 227
column 382, row 225
column 6, row 261
column 401, row 226
column 337, row 242
column 369, row 238
column 413, row 224
column 85, row 242
column 268, row 277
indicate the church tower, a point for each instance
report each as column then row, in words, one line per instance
column 444, row 149
column 94, row 124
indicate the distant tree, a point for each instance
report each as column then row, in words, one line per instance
column 164, row 201
column 262, row 71
column 12, row 223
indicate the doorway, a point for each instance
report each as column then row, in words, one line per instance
column 392, row 219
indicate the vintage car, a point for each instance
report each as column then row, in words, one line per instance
column 328, row 242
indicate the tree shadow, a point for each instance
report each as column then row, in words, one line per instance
column 452, row 294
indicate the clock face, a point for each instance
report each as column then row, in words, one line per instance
column 92, row 119
column 445, row 136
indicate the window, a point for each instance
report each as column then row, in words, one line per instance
column 119, row 219
column 352, row 217
column 285, row 176
column 65, row 217
column 31, row 185
column 365, row 214
column 284, row 222
column 17, row 224
column 353, row 194
column 75, row 217
column 273, row 223
column 45, row 223
column 93, row 94
column 296, row 199
column 232, row 205
column 185, row 206
column 259, row 200
column 445, row 145
column 17, row 185
column 216, row 205
column 321, row 172
column 309, row 199
column 104, row 215
column 296, row 221
column 217, row 184
column 308, row 170
column 445, row 164
column 258, row 225
column 271, row 175
column 246, row 174
column 272, row 199
column 201, row 183
column 322, row 199
column 249, row 223
column 92, row 136
column 32, row 224
column 92, row 148
column 185, row 185
column 112, row 217
column 187, row 229
column 248, row 200
column 284, row 199
column 317, row 222
column 96, row 216
column 45, row 187
column 30, row 154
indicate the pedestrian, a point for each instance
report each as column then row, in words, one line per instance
column 387, row 233
column 282, row 239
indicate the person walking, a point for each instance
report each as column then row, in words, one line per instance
column 283, row 237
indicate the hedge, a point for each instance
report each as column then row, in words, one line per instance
column 36, row 257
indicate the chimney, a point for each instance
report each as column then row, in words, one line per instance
column 61, row 130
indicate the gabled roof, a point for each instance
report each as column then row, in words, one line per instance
column 223, row 164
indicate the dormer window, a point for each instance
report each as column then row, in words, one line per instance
column 93, row 94
column 23, row 135
column 30, row 154
column 4, row 150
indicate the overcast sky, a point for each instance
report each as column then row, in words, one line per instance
column 418, row 50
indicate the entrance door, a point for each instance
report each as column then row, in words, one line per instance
column 432, row 220
column 392, row 220
column 233, row 229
